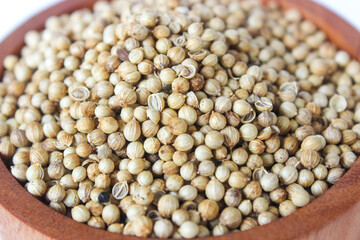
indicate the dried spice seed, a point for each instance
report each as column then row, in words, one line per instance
column 104, row 197
column 166, row 124
column 120, row 190
column 123, row 55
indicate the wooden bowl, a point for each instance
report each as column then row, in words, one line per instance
column 334, row 215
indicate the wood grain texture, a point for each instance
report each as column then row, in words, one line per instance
column 335, row 215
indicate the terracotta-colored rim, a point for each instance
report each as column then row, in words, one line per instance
column 19, row 204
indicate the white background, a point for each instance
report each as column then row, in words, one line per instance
column 14, row 12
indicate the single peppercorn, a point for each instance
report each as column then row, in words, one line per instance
column 104, row 197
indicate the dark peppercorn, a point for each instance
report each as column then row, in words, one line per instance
column 104, row 197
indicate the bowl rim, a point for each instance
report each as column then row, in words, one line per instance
column 20, row 205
